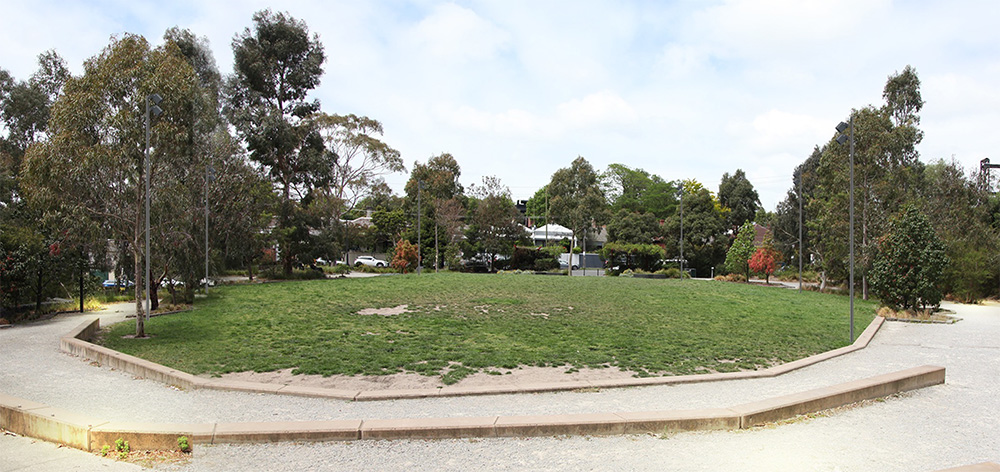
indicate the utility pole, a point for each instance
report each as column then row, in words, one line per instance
column 984, row 172
column 155, row 110
column 420, row 187
column 209, row 176
column 841, row 127
column 800, row 230
column 680, row 194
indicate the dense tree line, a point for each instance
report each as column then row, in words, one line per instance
column 252, row 163
column 890, row 178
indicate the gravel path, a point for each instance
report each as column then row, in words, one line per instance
column 930, row 429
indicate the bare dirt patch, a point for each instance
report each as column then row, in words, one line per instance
column 410, row 381
column 920, row 316
column 399, row 310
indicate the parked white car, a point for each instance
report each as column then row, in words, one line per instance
column 370, row 261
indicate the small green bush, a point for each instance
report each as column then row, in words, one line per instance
column 340, row 269
column 731, row 278
column 122, row 448
column 554, row 251
column 374, row 270
column 671, row 273
column 183, row 444
column 275, row 273
column 546, row 264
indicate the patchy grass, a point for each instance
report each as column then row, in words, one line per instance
column 465, row 323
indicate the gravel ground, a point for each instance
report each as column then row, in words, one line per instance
column 930, row 429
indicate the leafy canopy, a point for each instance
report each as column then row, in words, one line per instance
column 738, row 257
column 909, row 263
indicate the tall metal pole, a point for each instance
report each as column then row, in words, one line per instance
column 547, row 218
column 420, row 186
column 851, row 281
column 682, row 230
column 207, row 167
column 146, row 275
column 82, row 264
column 156, row 111
column 800, row 230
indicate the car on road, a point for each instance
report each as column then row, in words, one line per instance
column 370, row 261
column 565, row 265
column 118, row 283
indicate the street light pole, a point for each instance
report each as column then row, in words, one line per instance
column 156, row 111
column 840, row 139
column 420, row 187
column 680, row 194
column 209, row 176
column 800, row 229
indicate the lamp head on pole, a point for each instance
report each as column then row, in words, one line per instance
column 155, row 98
column 841, row 127
column 842, row 139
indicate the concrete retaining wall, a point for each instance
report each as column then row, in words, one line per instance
column 77, row 343
column 41, row 421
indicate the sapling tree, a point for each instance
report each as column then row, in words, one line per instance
column 909, row 263
column 738, row 257
column 405, row 256
column 764, row 261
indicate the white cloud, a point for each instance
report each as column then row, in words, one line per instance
column 776, row 129
column 683, row 59
column 755, row 28
column 591, row 113
column 457, row 33
column 681, row 89
column 596, row 110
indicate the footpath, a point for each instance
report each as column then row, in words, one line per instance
column 929, row 429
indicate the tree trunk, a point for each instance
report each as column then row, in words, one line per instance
column 286, row 209
column 154, row 298
column 140, row 318
column 173, row 293
column 864, row 246
column 137, row 258
column 154, row 288
column 38, row 290
column 82, row 267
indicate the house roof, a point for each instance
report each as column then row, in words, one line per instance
column 760, row 232
column 552, row 231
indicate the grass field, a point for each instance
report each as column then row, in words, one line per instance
column 463, row 323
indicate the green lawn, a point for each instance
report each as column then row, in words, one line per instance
column 495, row 322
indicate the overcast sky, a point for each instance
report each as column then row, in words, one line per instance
column 518, row 89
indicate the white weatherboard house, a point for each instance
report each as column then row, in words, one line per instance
column 550, row 232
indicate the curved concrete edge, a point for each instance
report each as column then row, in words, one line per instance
column 43, row 422
column 983, row 467
column 76, row 342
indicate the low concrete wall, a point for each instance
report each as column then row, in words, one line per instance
column 984, row 467
column 40, row 421
column 779, row 408
column 77, row 343
column 44, row 422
